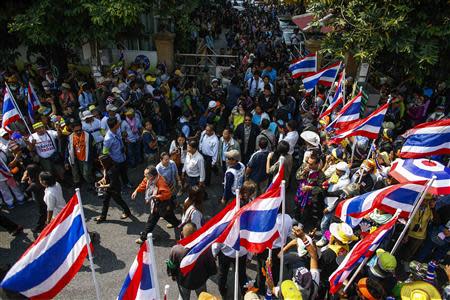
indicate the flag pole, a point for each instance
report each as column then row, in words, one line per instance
column 315, row 87
column 343, row 87
column 88, row 244
column 353, row 151
column 152, row 258
column 416, row 208
column 17, row 107
column 282, row 237
column 236, row 262
column 363, row 263
column 329, row 90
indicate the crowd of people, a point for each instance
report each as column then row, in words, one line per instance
column 91, row 131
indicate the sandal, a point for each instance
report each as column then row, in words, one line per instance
column 100, row 219
column 124, row 216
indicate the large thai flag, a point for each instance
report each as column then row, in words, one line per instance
column 431, row 138
column 348, row 114
column 363, row 249
column 141, row 280
column 219, row 225
column 33, row 102
column 389, row 199
column 304, row 66
column 422, row 170
column 368, row 127
column 254, row 226
column 338, row 97
column 10, row 112
column 325, row 77
column 53, row 259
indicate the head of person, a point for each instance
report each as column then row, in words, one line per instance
column 192, row 146
column 283, row 148
column 258, row 109
column 148, row 125
column 39, row 128
column 341, row 234
column 247, row 191
column 267, row 90
column 195, row 197
column 165, row 159
column 313, row 161
column 232, row 157
column 209, row 130
column 266, row 79
column 188, row 229
column 263, row 143
column 111, row 109
column 129, row 113
column 105, row 161
column 385, row 264
column 181, row 139
column 248, row 119
column 265, row 124
column 341, row 168
column 150, row 173
column 76, row 128
column 47, row 179
column 256, row 74
column 33, row 171
column 226, row 134
column 291, row 125
column 113, row 124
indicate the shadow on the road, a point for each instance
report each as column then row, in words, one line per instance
column 105, row 260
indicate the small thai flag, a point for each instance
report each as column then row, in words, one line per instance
column 304, row 66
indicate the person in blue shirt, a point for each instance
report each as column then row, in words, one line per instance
column 270, row 72
column 84, row 97
column 115, row 148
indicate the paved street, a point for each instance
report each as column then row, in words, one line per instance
column 117, row 249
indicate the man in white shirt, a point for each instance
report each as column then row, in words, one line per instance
column 194, row 166
column 45, row 144
column 291, row 136
column 209, row 148
column 255, row 84
column 92, row 125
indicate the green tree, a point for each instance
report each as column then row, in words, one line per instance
column 405, row 39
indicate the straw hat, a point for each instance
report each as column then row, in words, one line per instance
column 419, row 290
column 310, row 137
column 343, row 232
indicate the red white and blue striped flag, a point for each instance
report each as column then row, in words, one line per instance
column 368, row 127
column 364, row 248
column 389, row 199
column 33, row 102
column 325, row 77
column 54, row 258
column 141, row 280
column 348, row 114
column 10, row 113
column 338, row 97
column 431, row 138
column 304, row 66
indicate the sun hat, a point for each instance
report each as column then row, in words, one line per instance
column 115, row 90
column 86, row 115
column 310, row 137
column 419, row 290
column 111, row 107
column 290, row 291
column 343, row 232
column 342, row 166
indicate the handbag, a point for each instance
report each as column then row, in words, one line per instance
column 176, row 158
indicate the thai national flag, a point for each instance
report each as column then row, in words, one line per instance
column 348, row 114
column 33, row 102
column 10, row 112
column 304, row 66
column 53, row 259
column 254, row 226
column 368, row 127
column 363, row 249
column 389, row 199
column 325, row 77
column 141, row 280
column 431, row 138
column 338, row 97
column 202, row 239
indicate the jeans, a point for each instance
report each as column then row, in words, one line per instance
column 192, row 181
column 82, row 169
column 119, row 201
column 326, row 220
column 134, row 153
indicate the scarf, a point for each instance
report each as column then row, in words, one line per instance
column 303, row 198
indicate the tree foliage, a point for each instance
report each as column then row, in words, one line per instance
column 404, row 38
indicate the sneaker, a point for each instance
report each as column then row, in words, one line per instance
column 139, row 241
column 322, row 242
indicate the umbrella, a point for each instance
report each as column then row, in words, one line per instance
column 421, row 170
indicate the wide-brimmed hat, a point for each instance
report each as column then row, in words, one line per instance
column 310, row 137
column 86, row 115
column 342, row 166
column 342, row 232
column 115, row 90
column 111, row 107
column 290, row 291
column 419, row 290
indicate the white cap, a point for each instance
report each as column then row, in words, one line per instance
column 310, row 137
column 342, row 166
